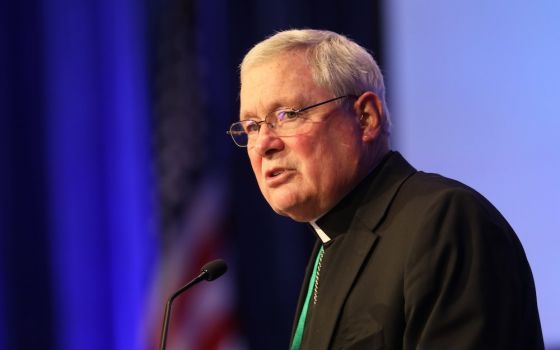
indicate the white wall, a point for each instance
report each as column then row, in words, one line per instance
column 474, row 89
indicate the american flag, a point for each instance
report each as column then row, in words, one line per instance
column 194, row 212
column 203, row 318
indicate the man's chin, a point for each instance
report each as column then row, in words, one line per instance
column 295, row 212
column 294, row 215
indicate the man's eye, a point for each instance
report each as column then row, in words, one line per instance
column 286, row 115
column 251, row 127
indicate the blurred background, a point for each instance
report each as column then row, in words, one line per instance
column 118, row 181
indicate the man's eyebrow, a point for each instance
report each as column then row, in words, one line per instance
column 247, row 116
column 273, row 107
column 252, row 116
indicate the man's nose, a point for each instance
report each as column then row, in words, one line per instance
column 267, row 142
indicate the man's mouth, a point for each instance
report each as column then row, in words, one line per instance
column 277, row 176
column 276, row 173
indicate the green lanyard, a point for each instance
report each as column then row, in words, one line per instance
column 296, row 342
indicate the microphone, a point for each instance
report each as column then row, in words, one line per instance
column 209, row 272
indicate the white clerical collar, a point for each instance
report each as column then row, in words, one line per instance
column 324, row 237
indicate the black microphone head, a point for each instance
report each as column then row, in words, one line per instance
column 214, row 269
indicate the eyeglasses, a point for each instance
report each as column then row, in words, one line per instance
column 284, row 122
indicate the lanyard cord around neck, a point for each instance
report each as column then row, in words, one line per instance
column 296, row 342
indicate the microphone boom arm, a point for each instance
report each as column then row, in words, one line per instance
column 209, row 272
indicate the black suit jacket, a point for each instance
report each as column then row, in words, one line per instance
column 419, row 261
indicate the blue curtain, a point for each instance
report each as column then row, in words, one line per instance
column 79, row 238
column 99, row 156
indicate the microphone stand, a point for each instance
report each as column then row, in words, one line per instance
column 167, row 314
column 209, row 272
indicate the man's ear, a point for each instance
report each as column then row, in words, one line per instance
column 370, row 109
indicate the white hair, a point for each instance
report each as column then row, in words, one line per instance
column 337, row 63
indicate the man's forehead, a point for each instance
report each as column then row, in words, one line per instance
column 264, row 89
column 279, row 58
column 275, row 74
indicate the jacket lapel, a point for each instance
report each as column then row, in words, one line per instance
column 348, row 252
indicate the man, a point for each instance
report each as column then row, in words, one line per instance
column 404, row 259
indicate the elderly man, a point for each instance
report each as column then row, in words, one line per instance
column 404, row 259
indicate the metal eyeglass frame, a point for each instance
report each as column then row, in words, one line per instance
column 272, row 125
